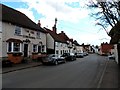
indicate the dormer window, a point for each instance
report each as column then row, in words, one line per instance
column 17, row 30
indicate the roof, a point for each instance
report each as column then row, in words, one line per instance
column 17, row 18
column 76, row 43
column 55, row 36
column 65, row 37
column 14, row 40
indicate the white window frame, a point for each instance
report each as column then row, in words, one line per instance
column 12, row 47
column 18, row 30
column 35, row 48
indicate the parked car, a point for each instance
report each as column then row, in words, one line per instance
column 79, row 55
column 111, row 57
column 69, row 56
column 7, row 63
column 53, row 59
column 85, row 53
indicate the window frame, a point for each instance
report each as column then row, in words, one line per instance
column 13, row 48
column 18, row 30
column 35, row 49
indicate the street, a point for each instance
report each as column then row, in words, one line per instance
column 83, row 73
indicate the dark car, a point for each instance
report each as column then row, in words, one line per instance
column 7, row 63
column 53, row 59
column 69, row 56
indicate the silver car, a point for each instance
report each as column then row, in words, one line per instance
column 79, row 55
column 53, row 59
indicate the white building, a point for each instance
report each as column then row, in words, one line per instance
column 77, row 47
column 55, row 43
column 20, row 34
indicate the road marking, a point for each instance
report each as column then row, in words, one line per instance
column 101, row 78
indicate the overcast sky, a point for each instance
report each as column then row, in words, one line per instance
column 73, row 19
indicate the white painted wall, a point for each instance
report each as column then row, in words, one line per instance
column 116, row 53
column 8, row 32
column 61, row 47
column 79, row 49
column 50, row 41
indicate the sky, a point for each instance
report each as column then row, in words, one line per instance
column 72, row 17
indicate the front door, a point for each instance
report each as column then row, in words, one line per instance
column 25, row 50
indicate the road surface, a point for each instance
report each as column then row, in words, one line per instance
column 83, row 73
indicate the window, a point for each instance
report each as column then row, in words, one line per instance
column 43, row 48
column 57, row 52
column 16, row 47
column 61, row 45
column 57, row 44
column 61, row 52
column 38, row 34
column 17, row 30
column 34, row 48
column 9, row 46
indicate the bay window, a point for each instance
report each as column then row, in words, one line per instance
column 13, row 47
column 16, row 47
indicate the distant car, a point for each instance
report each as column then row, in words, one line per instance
column 111, row 57
column 53, row 59
column 69, row 56
column 85, row 53
column 79, row 55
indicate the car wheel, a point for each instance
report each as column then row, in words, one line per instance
column 56, row 62
column 64, row 61
column 72, row 59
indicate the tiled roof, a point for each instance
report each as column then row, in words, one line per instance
column 17, row 18
column 76, row 43
column 65, row 37
column 55, row 36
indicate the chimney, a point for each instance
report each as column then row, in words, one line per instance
column 54, row 27
column 39, row 24
column 62, row 31
column 71, row 39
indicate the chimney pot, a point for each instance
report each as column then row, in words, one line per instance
column 39, row 24
column 62, row 31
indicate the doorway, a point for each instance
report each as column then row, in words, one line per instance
column 25, row 50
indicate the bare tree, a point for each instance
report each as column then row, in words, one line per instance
column 107, row 12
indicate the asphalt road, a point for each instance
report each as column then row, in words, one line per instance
column 83, row 73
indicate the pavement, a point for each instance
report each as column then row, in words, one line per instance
column 20, row 66
column 110, row 78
